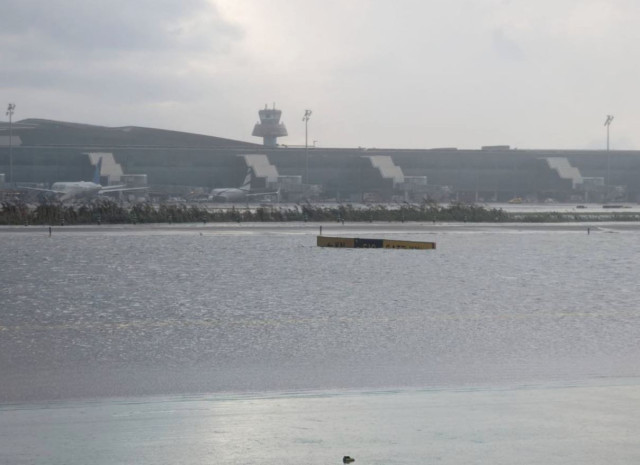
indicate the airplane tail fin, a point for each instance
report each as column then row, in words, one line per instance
column 246, row 185
column 96, row 173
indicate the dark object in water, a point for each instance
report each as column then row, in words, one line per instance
column 347, row 459
column 350, row 242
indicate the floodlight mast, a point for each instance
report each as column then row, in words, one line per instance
column 305, row 118
column 10, row 109
column 607, row 123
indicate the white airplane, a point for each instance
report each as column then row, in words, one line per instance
column 238, row 194
column 78, row 189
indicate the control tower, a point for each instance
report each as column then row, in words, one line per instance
column 270, row 127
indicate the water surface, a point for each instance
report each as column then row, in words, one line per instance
column 248, row 344
column 140, row 311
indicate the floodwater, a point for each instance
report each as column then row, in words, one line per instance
column 248, row 344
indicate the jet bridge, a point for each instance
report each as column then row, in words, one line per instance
column 110, row 169
column 386, row 168
column 565, row 170
column 264, row 173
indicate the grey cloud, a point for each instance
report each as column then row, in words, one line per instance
column 117, row 25
column 425, row 73
column 121, row 50
column 112, row 83
column 506, row 47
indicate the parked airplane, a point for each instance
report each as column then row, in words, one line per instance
column 239, row 194
column 78, row 189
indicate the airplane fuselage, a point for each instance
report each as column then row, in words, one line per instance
column 79, row 186
column 238, row 194
column 228, row 195
column 76, row 189
column 68, row 190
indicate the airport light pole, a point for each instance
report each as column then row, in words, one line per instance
column 305, row 118
column 10, row 110
column 607, row 123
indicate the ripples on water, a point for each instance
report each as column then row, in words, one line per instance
column 114, row 314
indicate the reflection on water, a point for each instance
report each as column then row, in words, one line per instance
column 119, row 314
column 551, row 425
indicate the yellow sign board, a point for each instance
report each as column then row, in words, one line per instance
column 324, row 241
column 391, row 244
column 349, row 242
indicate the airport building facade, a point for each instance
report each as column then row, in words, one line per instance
column 41, row 152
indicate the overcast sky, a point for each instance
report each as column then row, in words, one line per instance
column 402, row 74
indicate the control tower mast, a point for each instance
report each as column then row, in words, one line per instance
column 270, row 127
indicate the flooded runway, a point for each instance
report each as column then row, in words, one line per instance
column 532, row 326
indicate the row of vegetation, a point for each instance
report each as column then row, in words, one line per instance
column 110, row 212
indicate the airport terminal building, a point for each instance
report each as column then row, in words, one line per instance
column 37, row 152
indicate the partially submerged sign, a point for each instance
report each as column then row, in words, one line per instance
column 357, row 243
